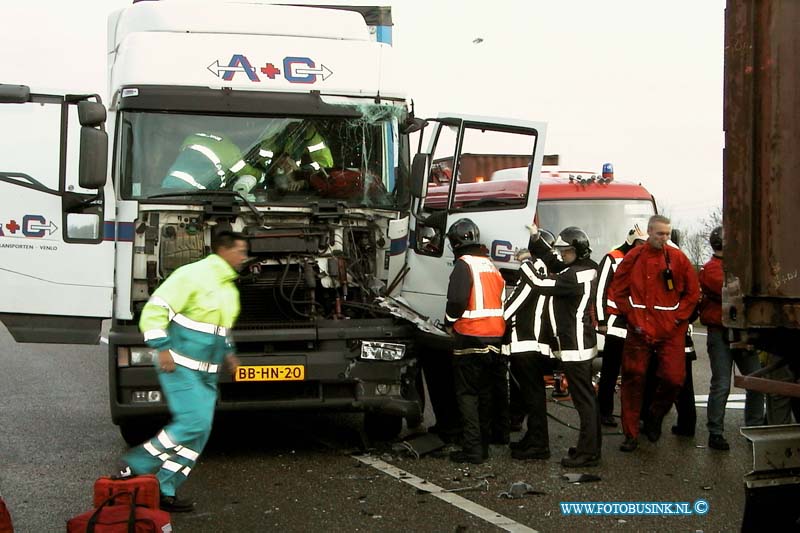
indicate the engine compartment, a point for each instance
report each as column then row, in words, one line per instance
column 303, row 267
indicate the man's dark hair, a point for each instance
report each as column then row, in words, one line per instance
column 225, row 239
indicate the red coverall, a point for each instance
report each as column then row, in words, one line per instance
column 657, row 325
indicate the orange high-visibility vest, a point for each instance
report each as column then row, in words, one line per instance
column 484, row 314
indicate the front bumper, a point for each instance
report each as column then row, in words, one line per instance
column 335, row 380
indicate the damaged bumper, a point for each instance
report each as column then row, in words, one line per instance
column 334, row 377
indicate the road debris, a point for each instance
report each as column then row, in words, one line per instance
column 519, row 489
column 579, row 478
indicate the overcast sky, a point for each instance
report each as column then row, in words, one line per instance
column 633, row 82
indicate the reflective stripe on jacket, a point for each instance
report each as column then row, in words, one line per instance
column 193, row 311
column 641, row 294
column 483, row 316
column 527, row 318
column 605, row 308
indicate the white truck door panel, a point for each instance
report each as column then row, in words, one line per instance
column 56, row 238
column 461, row 185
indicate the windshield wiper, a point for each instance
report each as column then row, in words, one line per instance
column 229, row 194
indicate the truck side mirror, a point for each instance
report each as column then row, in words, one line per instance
column 419, row 168
column 94, row 145
column 14, row 94
column 92, row 114
column 412, row 125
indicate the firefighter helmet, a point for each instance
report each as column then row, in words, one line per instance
column 547, row 237
column 715, row 239
column 463, row 232
column 574, row 237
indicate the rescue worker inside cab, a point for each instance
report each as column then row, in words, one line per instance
column 574, row 337
column 656, row 288
column 289, row 155
column 474, row 316
column 208, row 161
column 528, row 336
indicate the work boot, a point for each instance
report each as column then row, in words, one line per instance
column 718, row 442
column 608, row 420
column 530, row 452
column 173, row 504
column 652, row 429
column 471, row 454
column 682, row 432
column 580, row 460
column 630, row 444
column 521, row 444
column 572, row 451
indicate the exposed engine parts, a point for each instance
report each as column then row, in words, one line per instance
column 300, row 269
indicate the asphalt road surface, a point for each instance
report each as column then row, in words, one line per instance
column 292, row 472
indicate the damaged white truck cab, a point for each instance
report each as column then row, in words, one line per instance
column 284, row 123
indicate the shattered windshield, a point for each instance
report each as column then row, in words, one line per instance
column 293, row 161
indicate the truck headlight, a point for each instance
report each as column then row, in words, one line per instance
column 382, row 351
column 143, row 356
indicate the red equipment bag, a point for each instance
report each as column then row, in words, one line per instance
column 128, row 518
column 146, row 488
column 5, row 519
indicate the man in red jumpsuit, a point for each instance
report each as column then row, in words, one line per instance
column 656, row 288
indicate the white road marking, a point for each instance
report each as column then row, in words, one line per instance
column 103, row 340
column 462, row 503
column 731, row 397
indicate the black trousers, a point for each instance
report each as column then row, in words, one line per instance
column 581, row 389
column 473, row 385
column 684, row 403
column 612, row 362
column 529, row 369
column 500, row 409
column 437, row 366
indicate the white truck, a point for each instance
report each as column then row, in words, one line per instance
column 348, row 272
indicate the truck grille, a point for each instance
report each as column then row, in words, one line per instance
column 263, row 304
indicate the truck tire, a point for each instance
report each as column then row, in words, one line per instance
column 382, row 427
column 135, row 433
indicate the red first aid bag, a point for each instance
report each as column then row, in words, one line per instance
column 5, row 519
column 127, row 518
column 145, row 487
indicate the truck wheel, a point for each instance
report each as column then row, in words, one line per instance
column 135, row 433
column 379, row 426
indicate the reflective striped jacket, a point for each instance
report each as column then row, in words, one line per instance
column 483, row 314
column 527, row 316
column 570, row 286
column 605, row 307
column 207, row 161
column 192, row 312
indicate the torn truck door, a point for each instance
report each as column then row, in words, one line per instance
column 56, row 225
column 460, row 185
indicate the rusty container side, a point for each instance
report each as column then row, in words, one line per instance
column 761, row 164
column 474, row 166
